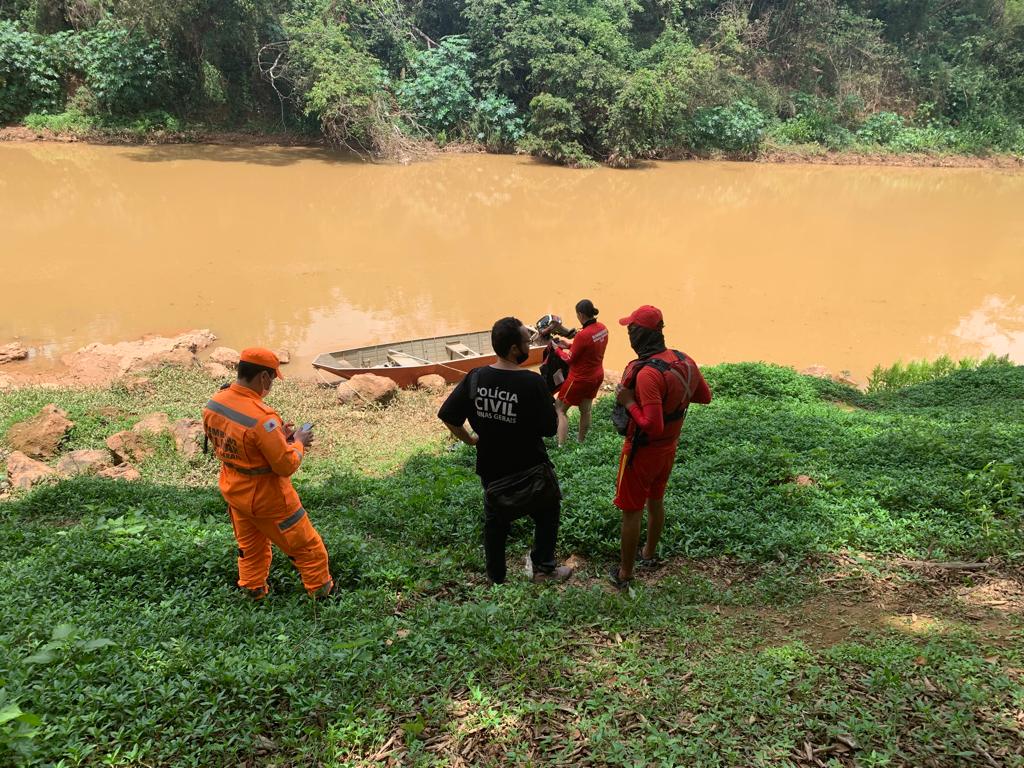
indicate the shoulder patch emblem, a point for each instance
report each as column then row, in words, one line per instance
column 270, row 425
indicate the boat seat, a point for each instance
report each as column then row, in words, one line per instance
column 459, row 351
column 404, row 359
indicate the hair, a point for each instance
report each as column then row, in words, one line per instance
column 586, row 307
column 505, row 334
column 249, row 371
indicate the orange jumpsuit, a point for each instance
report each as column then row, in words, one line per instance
column 257, row 462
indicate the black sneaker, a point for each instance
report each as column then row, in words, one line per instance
column 617, row 581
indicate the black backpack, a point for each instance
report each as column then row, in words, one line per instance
column 553, row 369
column 620, row 415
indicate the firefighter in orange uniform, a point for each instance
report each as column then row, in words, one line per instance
column 258, row 454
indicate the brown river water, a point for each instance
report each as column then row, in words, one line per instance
column 299, row 248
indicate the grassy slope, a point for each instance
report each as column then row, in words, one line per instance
column 769, row 646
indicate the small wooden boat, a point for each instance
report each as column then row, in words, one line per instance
column 450, row 357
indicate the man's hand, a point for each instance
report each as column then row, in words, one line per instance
column 304, row 436
column 562, row 342
column 289, row 430
column 625, row 397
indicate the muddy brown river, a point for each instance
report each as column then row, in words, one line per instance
column 844, row 267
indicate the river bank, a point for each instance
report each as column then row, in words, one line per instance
column 842, row 579
column 770, row 153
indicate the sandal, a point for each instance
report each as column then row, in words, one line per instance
column 645, row 562
column 617, row 581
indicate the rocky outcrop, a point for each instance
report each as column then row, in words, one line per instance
column 127, row 446
column 102, row 363
column 188, row 436
column 283, row 356
column 11, row 352
column 40, row 437
column 218, row 371
column 432, row 382
column 367, row 389
column 23, row 472
column 84, row 462
column 153, row 424
column 121, row 472
column 225, row 356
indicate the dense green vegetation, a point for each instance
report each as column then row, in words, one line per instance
column 123, row 640
column 570, row 80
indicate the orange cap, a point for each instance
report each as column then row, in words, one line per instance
column 261, row 356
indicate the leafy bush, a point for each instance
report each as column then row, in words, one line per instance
column 817, row 120
column 126, row 72
column 31, row 78
column 738, row 127
column 70, row 121
column 900, row 375
column 639, row 120
column 440, row 95
column 761, row 380
column 343, row 87
column 555, row 129
column 881, row 128
column 497, row 123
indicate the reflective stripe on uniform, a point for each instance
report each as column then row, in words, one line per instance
column 291, row 520
column 247, row 471
column 231, row 414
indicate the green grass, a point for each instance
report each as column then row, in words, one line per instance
column 422, row 662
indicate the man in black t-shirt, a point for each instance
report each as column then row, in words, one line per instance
column 511, row 411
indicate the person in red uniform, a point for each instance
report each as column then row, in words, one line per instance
column 586, row 370
column 656, row 389
column 258, row 454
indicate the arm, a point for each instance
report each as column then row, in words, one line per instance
column 702, row 394
column 579, row 343
column 646, row 410
column 454, row 413
column 462, row 433
column 284, row 457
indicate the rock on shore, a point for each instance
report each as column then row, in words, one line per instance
column 84, row 462
column 24, row 472
column 11, row 352
column 367, row 388
column 100, row 364
column 40, row 437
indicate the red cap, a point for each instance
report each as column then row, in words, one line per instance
column 646, row 317
column 261, row 356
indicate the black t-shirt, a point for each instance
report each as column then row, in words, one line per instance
column 511, row 411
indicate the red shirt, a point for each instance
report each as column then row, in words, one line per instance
column 659, row 394
column 586, row 355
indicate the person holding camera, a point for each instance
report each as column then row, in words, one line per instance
column 586, row 370
column 655, row 392
column 510, row 410
column 258, row 455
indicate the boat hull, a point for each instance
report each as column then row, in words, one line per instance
column 406, row 376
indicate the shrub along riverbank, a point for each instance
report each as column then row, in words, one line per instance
column 572, row 81
column 794, row 621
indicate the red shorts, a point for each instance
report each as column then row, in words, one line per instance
column 645, row 478
column 574, row 391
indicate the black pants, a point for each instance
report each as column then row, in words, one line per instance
column 532, row 492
